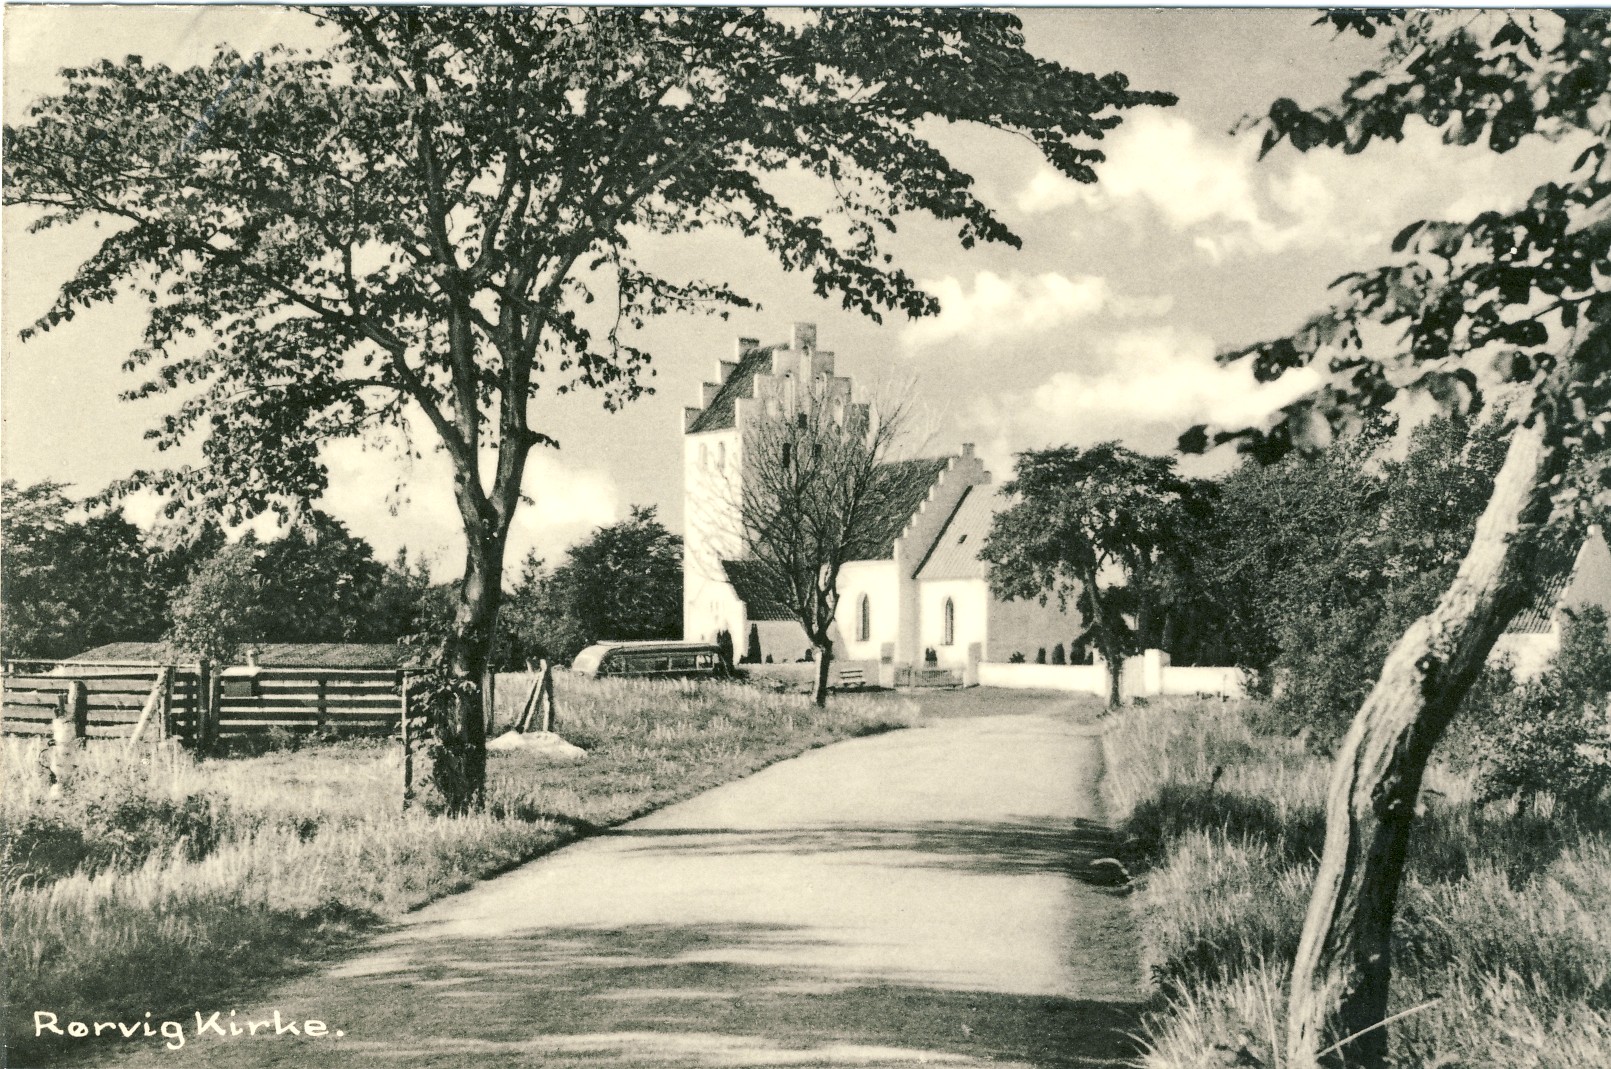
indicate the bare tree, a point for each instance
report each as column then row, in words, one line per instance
column 817, row 481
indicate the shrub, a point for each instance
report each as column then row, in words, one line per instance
column 1502, row 938
column 1552, row 734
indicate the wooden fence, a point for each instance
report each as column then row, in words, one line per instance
column 351, row 701
column 197, row 703
column 115, row 697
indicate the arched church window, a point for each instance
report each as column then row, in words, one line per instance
column 721, row 456
column 864, row 619
column 950, row 623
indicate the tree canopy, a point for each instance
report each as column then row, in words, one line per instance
column 315, row 583
column 418, row 217
column 1102, row 526
column 1514, row 301
column 623, row 582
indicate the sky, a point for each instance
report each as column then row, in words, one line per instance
column 1104, row 325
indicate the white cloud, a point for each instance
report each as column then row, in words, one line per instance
column 1196, row 184
column 394, row 502
column 1215, row 190
column 1144, row 386
column 1000, row 306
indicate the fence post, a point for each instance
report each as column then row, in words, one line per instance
column 547, row 699
column 78, row 704
column 321, row 710
column 165, row 706
column 204, row 688
column 408, row 751
column 215, row 706
column 67, row 731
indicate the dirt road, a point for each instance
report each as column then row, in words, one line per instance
column 907, row 898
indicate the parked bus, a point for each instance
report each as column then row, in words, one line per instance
column 653, row 660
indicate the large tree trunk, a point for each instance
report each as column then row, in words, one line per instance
column 819, row 691
column 1341, row 975
column 448, row 758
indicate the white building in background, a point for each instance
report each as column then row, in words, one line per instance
column 922, row 588
column 1533, row 638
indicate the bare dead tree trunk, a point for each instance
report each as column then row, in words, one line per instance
column 1341, row 976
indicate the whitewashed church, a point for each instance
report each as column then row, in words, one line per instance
column 922, row 589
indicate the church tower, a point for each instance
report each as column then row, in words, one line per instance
column 759, row 382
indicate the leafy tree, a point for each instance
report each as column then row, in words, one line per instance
column 316, row 583
column 398, row 607
column 69, row 584
column 1282, row 544
column 1395, row 557
column 623, row 583
column 1077, row 518
column 1511, row 303
column 407, row 229
column 1317, row 564
column 213, row 615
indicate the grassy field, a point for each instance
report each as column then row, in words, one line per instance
column 159, row 880
column 1504, row 922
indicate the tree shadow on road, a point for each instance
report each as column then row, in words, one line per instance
column 1015, row 847
column 675, row 995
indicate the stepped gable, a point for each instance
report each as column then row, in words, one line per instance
column 904, row 488
column 718, row 414
column 955, row 552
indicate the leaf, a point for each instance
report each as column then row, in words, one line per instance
column 1509, row 34
column 1402, row 241
column 1594, row 152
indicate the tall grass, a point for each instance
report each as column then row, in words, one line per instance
column 1502, row 942
column 158, row 879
